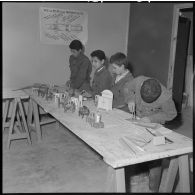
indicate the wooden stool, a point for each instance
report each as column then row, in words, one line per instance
column 15, row 132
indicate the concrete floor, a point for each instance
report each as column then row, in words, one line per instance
column 62, row 163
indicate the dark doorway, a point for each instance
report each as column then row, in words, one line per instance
column 180, row 61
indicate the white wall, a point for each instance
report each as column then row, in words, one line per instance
column 26, row 60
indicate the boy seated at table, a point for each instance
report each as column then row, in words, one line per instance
column 153, row 103
column 121, row 76
column 80, row 68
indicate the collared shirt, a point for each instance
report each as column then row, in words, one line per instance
column 119, row 77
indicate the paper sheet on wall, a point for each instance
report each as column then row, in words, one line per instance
column 59, row 26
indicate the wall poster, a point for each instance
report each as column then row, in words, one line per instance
column 59, row 26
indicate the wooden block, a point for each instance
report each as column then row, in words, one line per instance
column 158, row 140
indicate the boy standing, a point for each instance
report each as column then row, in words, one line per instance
column 121, row 76
column 102, row 78
column 80, row 67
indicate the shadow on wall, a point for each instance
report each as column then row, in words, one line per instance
column 130, row 67
column 175, row 123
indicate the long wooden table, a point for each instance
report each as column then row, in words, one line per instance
column 105, row 141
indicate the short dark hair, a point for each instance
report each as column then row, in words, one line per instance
column 99, row 54
column 119, row 59
column 150, row 90
column 76, row 44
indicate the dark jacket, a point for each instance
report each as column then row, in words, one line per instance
column 161, row 110
column 80, row 71
column 102, row 80
column 118, row 90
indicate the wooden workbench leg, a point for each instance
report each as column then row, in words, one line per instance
column 36, row 120
column 120, row 180
column 18, row 120
column 184, row 177
column 110, row 180
column 30, row 113
column 115, row 180
column 24, row 121
column 170, row 177
column 12, row 122
column 5, row 113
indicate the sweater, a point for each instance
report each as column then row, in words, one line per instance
column 80, row 69
column 102, row 80
column 118, row 90
column 161, row 110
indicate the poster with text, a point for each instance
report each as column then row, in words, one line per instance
column 59, row 26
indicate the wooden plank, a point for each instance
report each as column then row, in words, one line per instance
column 177, row 189
column 19, row 122
column 19, row 136
column 115, row 181
column 127, row 147
column 171, row 174
column 163, row 179
column 47, row 121
column 7, row 124
column 110, row 180
column 12, row 123
column 184, row 177
column 30, row 113
column 37, row 122
column 120, row 180
column 5, row 113
column 10, row 94
column 24, row 120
